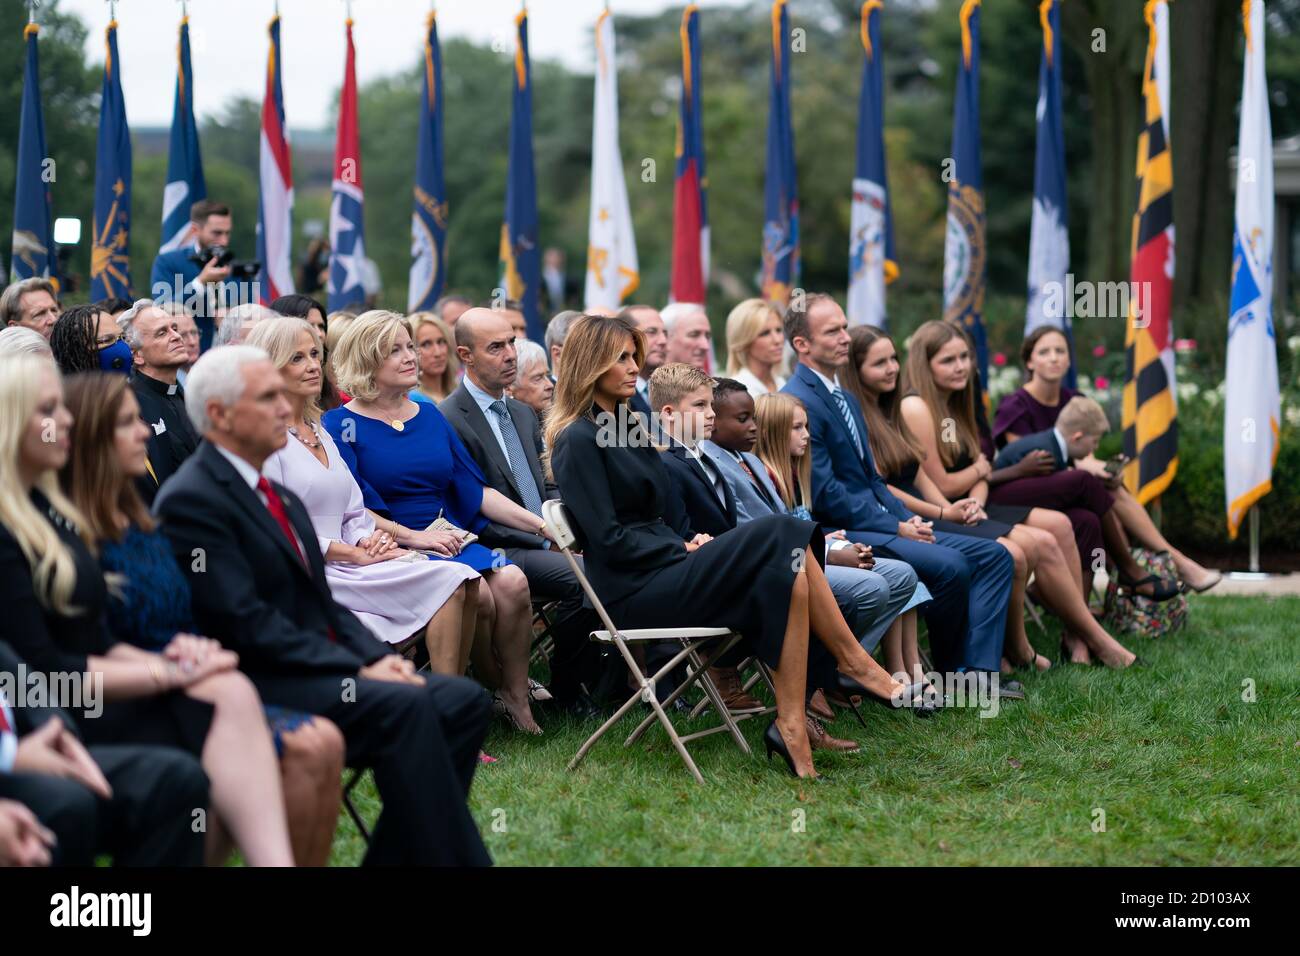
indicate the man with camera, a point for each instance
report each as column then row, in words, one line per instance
column 204, row 276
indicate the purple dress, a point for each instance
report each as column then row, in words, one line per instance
column 1022, row 414
column 395, row 599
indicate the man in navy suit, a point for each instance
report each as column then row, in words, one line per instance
column 178, row 276
column 969, row 578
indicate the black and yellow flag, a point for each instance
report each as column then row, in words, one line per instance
column 1150, row 416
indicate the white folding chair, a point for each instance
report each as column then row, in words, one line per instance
column 692, row 640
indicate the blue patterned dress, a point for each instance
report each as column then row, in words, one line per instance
column 149, row 603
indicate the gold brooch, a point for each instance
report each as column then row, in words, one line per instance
column 400, row 426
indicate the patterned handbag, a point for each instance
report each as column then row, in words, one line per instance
column 1131, row 613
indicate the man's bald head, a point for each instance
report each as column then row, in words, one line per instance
column 485, row 344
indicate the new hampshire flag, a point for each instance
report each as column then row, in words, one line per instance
column 612, row 270
column 33, row 241
column 871, row 230
column 521, row 259
column 964, row 251
column 1049, row 237
column 185, row 183
column 347, row 241
column 110, row 262
column 1252, row 406
column 429, row 217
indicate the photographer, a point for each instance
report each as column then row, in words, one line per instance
column 204, row 276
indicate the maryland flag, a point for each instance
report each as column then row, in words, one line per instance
column 1150, row 414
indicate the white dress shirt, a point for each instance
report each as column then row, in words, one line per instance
column 251, row 477
column 484, row 401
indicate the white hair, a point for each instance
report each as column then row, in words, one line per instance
column 218, row 374
column 18, row 339
column 247, row 313
column 672, row 314
column 126, row 321
column 527, row 353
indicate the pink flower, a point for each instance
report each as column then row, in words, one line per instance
column 999, row 359
column 1098, row 351
column 1184, row 345
column 1101, row 382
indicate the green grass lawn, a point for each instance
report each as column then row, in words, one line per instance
column 1186, row 772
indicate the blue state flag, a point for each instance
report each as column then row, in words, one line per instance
column 521, row 258
column 965, row 252
column 110, row 262
column 33, row 240
column 781, row 219
column 429, row 216
column 185, row 183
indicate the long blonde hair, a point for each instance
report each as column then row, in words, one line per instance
column 54, row 571
column 593, row 344
column 775, row 416
column 364, row 346
column 745, row 324
column 450, row 378
column 279, row 339
column 959, row 406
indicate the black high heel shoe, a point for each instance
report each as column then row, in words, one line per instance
column 773, row 741
column 921, row 706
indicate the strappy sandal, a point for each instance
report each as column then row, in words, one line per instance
column 1162, row 590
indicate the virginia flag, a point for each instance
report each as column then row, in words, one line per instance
column 612, row 271
column 690, row 274
column 429, row 218
column 1252, row 408
column 964, row 250
column 33, row 243
column 1049, row 237
column 110, row 263
column 1150, row 417
column 347, row 242
column 871, row 230
column 185, row 183
column 781, row 221
column 275, row 207
column 521, row 259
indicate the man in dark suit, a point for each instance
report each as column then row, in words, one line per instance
column 159, row 352
column 135, row 803
column 258, row 582
column 969, row 578
column 179, row 275
column 505, row 439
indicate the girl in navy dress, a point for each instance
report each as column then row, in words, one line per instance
column 413, row 470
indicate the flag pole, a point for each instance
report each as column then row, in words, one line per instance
column 31, row 10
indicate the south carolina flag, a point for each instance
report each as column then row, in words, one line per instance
column 612, row 271
column 1252, row 407
column 275, row 210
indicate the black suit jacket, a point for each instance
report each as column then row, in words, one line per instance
column 29, row 717
column 251, row 590
column 704, row 512
column 622, row 505
column 460, row 409
column 1038, row 441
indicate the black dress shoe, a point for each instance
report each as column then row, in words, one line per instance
column 580, row 707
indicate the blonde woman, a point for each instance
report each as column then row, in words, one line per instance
column 55, row 598
column 368, row 573
column 439, row 368
column 413, row 470
column 756, row 347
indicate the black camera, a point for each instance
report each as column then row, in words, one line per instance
column 241, row 271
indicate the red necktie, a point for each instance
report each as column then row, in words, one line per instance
column 276, row 507
column 4, row 721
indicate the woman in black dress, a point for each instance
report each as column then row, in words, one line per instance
column 754, row 578
column 54, row 597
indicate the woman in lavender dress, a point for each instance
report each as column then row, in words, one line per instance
column 394, row 592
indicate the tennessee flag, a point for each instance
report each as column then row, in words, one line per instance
column 1150, row 417
column 965, row 251
column 690, row 273
column 275, row 209
column 781, row 223
column 347, row 222
column 1253, row 404
column 110, row 261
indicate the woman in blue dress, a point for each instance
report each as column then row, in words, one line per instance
column 149, row 598
column 413, row 470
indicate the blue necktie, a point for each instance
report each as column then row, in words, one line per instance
column 843, row 404
column 518, row 461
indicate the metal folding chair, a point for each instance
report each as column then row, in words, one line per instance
column 699, row 645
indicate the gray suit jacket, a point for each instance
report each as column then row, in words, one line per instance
column 750, row 504
column 460, row 409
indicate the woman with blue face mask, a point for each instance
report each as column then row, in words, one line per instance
column 87, row 339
